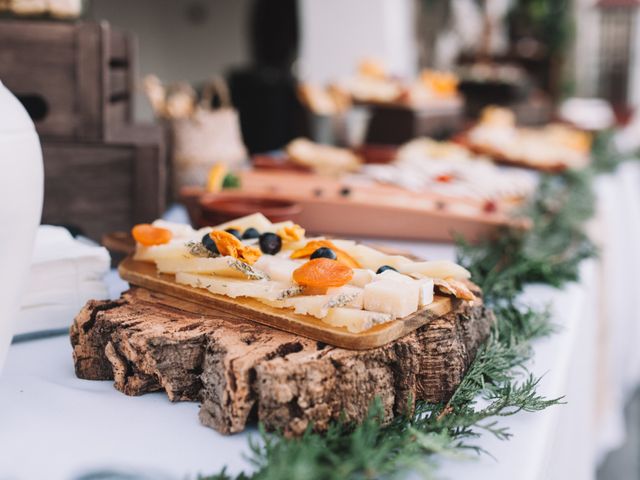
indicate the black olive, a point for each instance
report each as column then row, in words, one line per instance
column 235, row 232
column 324, row 252
column 209, row 244
column 270, row 243
column 384, row 268
column 250, row 233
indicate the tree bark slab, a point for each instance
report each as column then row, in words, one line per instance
column 241, row 371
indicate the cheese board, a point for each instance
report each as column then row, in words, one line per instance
column 145, row 275
column 553, row 148
column 331, row 290
column 223, row 341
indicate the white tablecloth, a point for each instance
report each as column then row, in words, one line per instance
column 55, row 426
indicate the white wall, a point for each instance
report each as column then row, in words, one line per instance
column 337, row 34
column 587, row 47
column 634, row 70
column 174, row 48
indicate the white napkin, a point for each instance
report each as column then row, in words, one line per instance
column 65, row 273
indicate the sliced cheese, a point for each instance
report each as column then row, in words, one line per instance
column 259, row 289
column 298, row 244
column 277, row 267
column 426, row 292
column 362, row 276
column 173, row 249
column 399, row 299
column 393, row 276
column 277, row 226
column 223, row 266
column 346, row 296
column 319, row 305
column 425, row 285
column 435, row 269
column 255, row 220
column 353, row 320
column 179, row 230
column 373, row 259
column 345, row 245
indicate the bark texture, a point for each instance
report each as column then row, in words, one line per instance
column 242, row 372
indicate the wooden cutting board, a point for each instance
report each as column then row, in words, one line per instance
column 376, row 210
column 329, row 206
column 144, row 274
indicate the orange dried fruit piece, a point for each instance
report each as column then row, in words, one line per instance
column 342, row 256
column 322, row 272
column 148, row 235
column 250, row 254
column 228, row 244
column 291, row 233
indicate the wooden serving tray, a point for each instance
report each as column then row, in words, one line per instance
column 144, row 274
column 332, row 206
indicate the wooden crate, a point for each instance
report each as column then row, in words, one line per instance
column 101, row 187
column 75, row 79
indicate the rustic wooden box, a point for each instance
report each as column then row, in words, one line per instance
column 98, row 188
column 75, row 78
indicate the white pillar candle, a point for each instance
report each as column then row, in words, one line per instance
column 21, row 190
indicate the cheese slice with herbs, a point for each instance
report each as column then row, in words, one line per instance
column 260, row 289
column 362, row 300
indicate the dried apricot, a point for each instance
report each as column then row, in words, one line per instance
column 249, row 254
column 228, row 244
column 322, row 272
column 148, row 235
column 292, row 233
column 342, row 256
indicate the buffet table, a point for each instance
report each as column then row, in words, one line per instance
column 56, row 426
